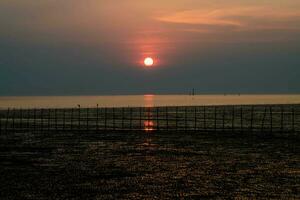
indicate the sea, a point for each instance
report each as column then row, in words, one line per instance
column 142, row 100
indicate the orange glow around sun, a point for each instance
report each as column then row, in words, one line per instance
column 148, row 62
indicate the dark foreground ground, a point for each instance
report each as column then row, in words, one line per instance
column 139, row 165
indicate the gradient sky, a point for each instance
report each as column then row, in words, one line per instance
column 94, row 47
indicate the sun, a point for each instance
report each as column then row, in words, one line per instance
column 148, row 62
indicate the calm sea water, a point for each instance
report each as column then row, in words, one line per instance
column 143, row 100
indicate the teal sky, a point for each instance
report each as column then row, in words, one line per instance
column 96, row 47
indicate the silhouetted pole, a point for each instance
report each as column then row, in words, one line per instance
column 49, row 119
column 21, row 119
column 97, row 118
column 34, row 119
column 271, row 118
column 87, row 119
column 242, row 119
column 72, row 115
column 105, row 118
column 28, row 118
column 79, row 118
column 167, row 118
column 140, row 113
column 55, row 117
column 157, row 118
column 204, row 117
column 13, row 119
column 195, row 118
column 251, row 118
column 124, row 117
column 1, row 122
column 176, row 118
column 215, row 109
column 233, row 121
column 293, row 118
column 263, row 120
column 7, row 118
column 114, row 123
column 130, row 118
column 281, row 119
column 64, row 119
column 185, row 118
column 42, row 120
column 223, row 119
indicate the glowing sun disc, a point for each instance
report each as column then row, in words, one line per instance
column 148, row 62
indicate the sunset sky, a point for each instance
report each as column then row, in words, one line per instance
column 94, row 47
